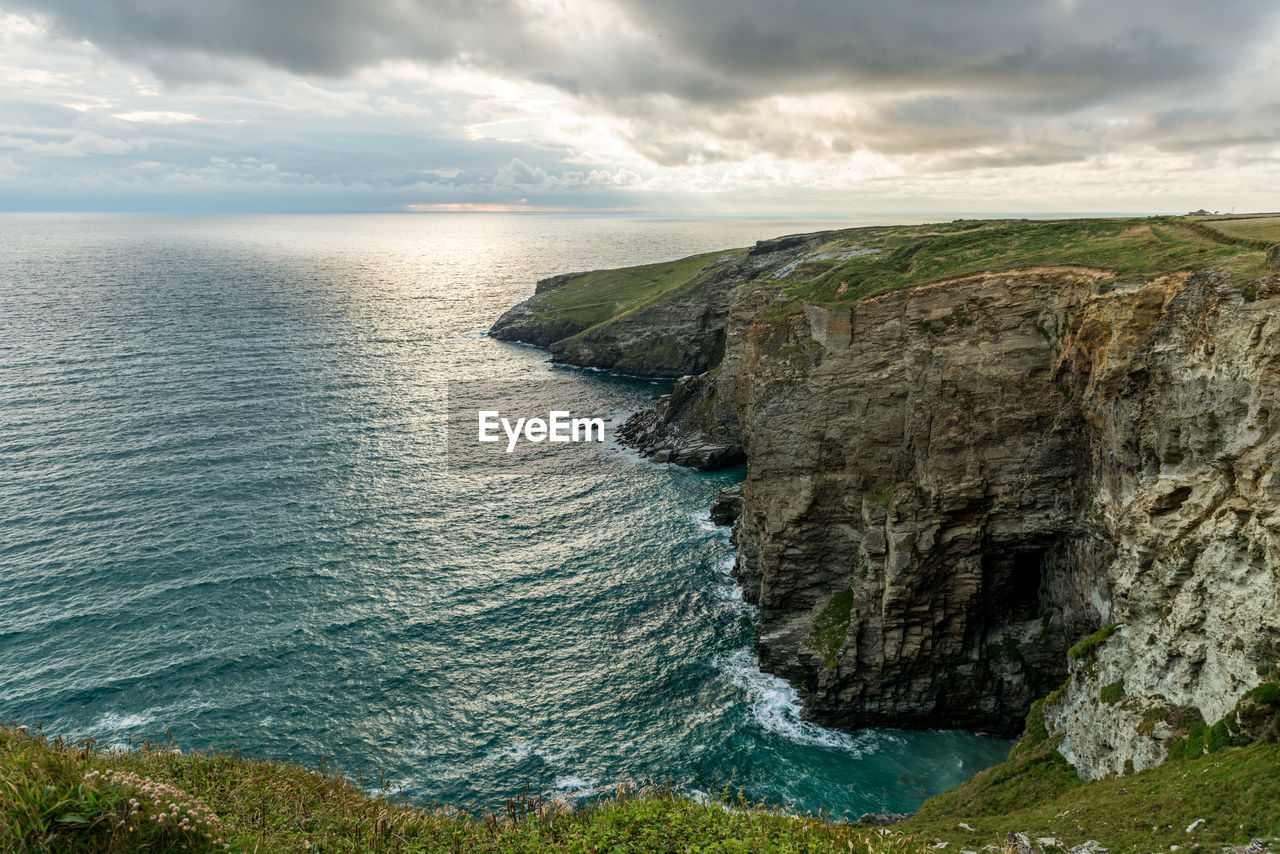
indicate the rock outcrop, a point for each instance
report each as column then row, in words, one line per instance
column 727, row 508
column 1181, row 402
column 910, row 528
column 679, row 334
column 526, row 323
column 950, row 485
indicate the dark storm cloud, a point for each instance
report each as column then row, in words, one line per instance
column 687, row 77
column 1060, row 48
column 712, row 50
column 323, row 37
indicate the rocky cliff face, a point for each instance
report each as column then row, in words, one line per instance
column 679, row 334
column 951, row 485
column 909, row 530
column 1179, row 393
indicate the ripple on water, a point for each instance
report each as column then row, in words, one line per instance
column 231, row 513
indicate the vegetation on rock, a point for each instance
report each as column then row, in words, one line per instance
column 914, row 255
column 1234, row 789
column 602, row 295
column 1086, row 649
column 831, row 625
column 60, row 797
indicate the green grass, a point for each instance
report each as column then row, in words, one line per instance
column 1236, row 791
column 60, row 797
column 831, row 625
column 1112, row 693
column 913, row 255
column 51, row 800
column 1087, row 649
column 1265, row 227
column 908, row 255
column 885, row 493
column 1227, row 774
column 603, row 295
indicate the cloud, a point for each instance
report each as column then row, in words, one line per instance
column 690, row 81
column 321, row 37
column 705, row 51
column 510, row 97
column 164, row 117
column 1052, row 49
column 82, row 144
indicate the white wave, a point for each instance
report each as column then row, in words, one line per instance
column 518, row 751
column 731, row 596
column 551, row 756
column 196, row 706
column 702, row 519
column 776, row 706
column 113, row 722
column 572, row 787
column 729, row 590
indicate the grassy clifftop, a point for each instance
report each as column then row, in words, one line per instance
column 1228, row 798
column 602, row 295
column 669, row 319
column 860, row 262
column 57, row 797
column 916, row 255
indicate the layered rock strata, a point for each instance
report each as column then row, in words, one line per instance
column 949, row 486
column 679, row 334
column 952, row 484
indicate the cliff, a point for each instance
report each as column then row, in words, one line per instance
column 660, row 320
column 972, row 445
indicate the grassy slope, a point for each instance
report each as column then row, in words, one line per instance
column 1236, row 791
column 1225, row 795
column 605, row 294
column 46, row 804
column 1265, row 227
column 914, row 255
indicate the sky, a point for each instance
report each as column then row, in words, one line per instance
column 702, row 106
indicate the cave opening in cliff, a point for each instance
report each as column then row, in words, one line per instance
column 1024, row 588
column 1012, row 582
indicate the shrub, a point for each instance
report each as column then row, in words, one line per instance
column 1113, row 693
column 1087, row 649
column 831, row 625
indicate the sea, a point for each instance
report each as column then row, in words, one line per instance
column 232, row 514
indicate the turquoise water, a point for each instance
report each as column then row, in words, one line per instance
column 228, row 510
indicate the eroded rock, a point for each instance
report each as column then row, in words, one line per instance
column 950, row 485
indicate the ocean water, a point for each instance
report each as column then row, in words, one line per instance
column 230, row 510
